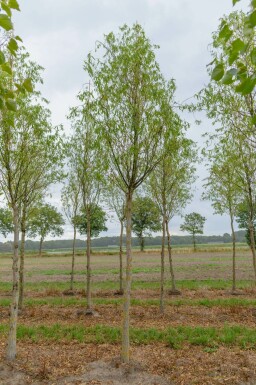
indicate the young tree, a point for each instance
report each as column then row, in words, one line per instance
column 145, row 218
column 87, row 163
column 115, row 198
column 242, row 218
column 170, row 187
column 130, row 92
column 44, row 220
column 222, row 190
column 71, row 201
column 193, row 224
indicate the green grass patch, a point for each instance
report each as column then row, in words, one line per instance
column 208, row 337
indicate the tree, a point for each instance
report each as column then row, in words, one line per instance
column 6, row 221
column 131, row 100
column 115, row 198
column 193, row 224
column 170, row 187
column 71, row 197
column 88, row 164
column 221, row 189
column 145, row 218
column 44, row 220
column 98, row 221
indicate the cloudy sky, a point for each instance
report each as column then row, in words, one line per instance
column 60, row 33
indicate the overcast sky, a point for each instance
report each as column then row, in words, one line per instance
column 60, row 33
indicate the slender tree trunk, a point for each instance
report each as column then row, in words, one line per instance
column 194, row 242
column 162, row 268
column 234, row 254
column 252, row 241
column 12, row 335
column 125, row 354
column 41, row 246
column 88, row 267
column 22, row 257
column 121, row 290
column 170, row 257
column 73, row 261
column 142, row 243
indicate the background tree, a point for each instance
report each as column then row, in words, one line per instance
column 71, row 201
column 130, row 93
column 98, row 221
column 170, row 186
column 115, row 199
column 145, row 218
column 193, row 224
column 6, row 221
column 87, row 163
column 44, row 220
column 243, row 219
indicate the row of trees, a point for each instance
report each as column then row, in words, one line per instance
column 127, row 135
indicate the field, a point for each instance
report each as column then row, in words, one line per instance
column 206, row 336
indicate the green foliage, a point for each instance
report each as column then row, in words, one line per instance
column 193, row 224
column 44, row 220
column 145, row 217
column 6, row 221
column 98, row 219
column 242, row 218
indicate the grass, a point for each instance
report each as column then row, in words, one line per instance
column 174, row 337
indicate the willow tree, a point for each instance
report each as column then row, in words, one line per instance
column 130, row 93
column 222, row 189
column 170, row 187
column 88, row 167
column 115, row 199
column 71, row 202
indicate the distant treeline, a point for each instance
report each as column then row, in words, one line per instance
column 114, row 241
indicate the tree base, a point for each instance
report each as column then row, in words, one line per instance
column 174, row 292
column 119, row 292
column 88, row 312
column 236, row 292
column 68, row 292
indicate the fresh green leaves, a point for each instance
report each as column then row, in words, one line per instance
column 218, row 72
column 5, row 22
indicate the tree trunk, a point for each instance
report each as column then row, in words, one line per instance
column 73, row 261
column 125, row 354
column 252, row 241
column 121, row 259
column 41, row 246
column 22, row 256
column 170, row 256
column 194, row 242
column 234, row 254
column 88, row 267
column 142, row 243
column 162, row 268
column 12, row 335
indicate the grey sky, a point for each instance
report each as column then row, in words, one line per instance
column 60, row 33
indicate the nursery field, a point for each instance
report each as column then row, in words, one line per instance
column 205, row 336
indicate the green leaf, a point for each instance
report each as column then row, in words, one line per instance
column 2, row 58
column 6, row 68
column 232, row 57
column 254, row 120
column 253, row 4
column 14, row 4
column 12, row 46
column 237, row 45
column 218, row 72
column 27, row 84
column 6, row 9
column 229, row 76
column 18, row 38
column 5, row 22
column 246, row 87
column 252, row 19
column 253, row 56
column 235, row 1
column 11, row 104
column 225, row 33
